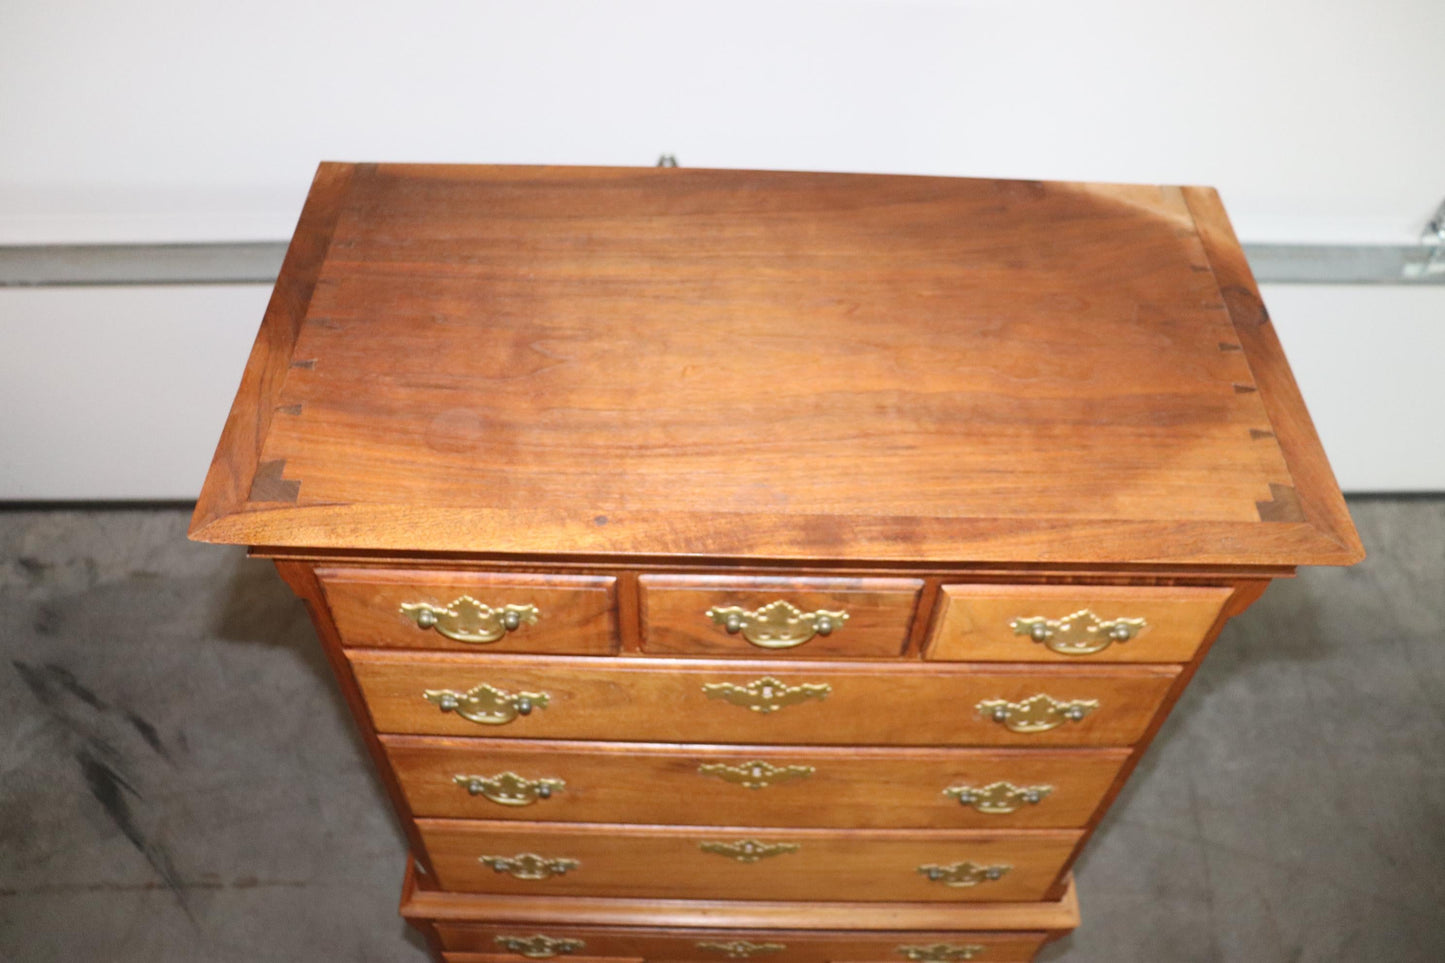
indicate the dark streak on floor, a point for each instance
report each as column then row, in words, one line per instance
column 179, row 780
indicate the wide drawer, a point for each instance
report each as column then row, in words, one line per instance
column 759, row 616
column 724, row 701
column 536, row 780
column 697, row 862
column 471, row 940
column 403, row 608
column 1061, row 623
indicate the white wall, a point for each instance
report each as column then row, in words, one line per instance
column 162, row 121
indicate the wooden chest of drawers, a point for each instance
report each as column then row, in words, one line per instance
column 732, row 564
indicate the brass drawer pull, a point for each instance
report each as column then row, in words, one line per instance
column 964, row 873
column 999, row 797
column 1038, row 713
column 467, row 620
column 767, row 694
column 538, row 947
column 486, row 705
column 749, row 850
column 777, row 625
column 756, row 774
column 940, row 952
column 509, row 789
column 529, row 865
column 741, row 949
column 1082, row 633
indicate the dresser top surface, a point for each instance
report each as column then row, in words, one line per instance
column 620, row 362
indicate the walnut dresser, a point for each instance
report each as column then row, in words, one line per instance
column 789, row 566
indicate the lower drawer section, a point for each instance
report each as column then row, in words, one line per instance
column 860, row 787
column 471, row 941
column 721, row 863
column 468, row 928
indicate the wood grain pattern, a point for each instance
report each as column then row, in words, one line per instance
column 655, row 701
column 577, row 613
column 1315, row 491
column 800, row 946
column 428, row 905
column 1040, row 362
column 674, row 620
column 227, row 491
column 973, row 622
column 649, row 783
column 667, row 861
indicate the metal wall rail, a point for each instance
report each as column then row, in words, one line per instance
column 65, row 265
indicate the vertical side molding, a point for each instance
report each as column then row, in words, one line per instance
column 301, row 577
column 1246, row 593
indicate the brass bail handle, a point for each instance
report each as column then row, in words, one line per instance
column 487, row 705
column 464, row 619
column 1080, row 633
column 777, row 625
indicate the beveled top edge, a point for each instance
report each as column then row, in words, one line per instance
column 224, row 513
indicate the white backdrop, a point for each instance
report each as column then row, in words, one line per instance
column 163, row 121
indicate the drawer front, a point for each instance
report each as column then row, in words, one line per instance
column 533, row 780
column 1069, row 623
column 467, row 611
column 470, row 940
column 722, row 701
column 695, row 862
column 766, row 617
column 511, row 958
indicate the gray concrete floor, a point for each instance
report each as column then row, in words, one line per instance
column 179, row 781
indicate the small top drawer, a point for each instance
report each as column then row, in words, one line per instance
column 1053, row 623
column 403, row 608
column 760, row 617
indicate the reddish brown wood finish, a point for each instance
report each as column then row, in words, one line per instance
column 621, row 390
column 855, row 787
column 880, row 865
column 799, row 946
column 230, row 484
column 974, row 622
column 576, row 613
column 426, row 904
column 952, row 369
column 907, row 704
column 675, row 622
